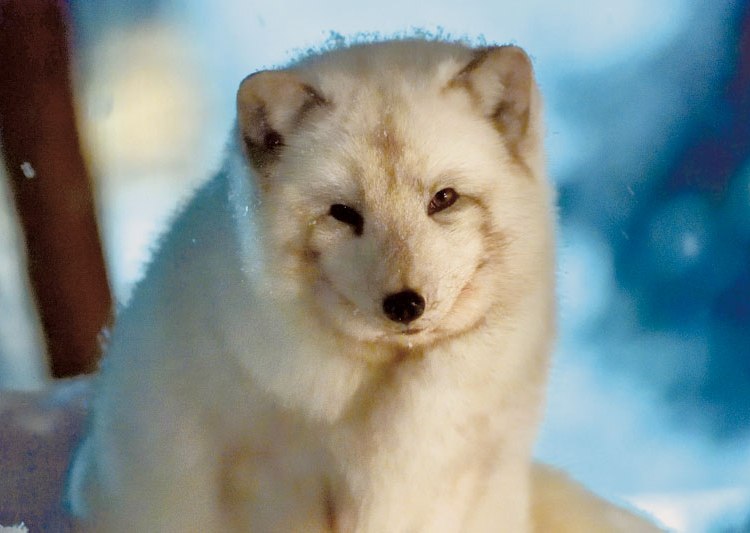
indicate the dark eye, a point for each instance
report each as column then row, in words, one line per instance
column 348, row 215
column 443, row 199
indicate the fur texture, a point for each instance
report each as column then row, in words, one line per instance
column 289, row 365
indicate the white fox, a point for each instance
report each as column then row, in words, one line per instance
column 348, row 329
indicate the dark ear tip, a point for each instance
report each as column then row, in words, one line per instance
column 515, row 55
column 513, row 48
column 246, row 79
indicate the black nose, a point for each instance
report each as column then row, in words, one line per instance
column 403, row 306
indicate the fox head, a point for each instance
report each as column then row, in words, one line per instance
column 401, row 192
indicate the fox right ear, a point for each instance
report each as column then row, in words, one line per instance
column 270, row 106
column 500, row 80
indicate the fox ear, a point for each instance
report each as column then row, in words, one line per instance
column 500, row 80
column 270, row 106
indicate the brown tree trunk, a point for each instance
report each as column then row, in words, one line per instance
column 50, row 183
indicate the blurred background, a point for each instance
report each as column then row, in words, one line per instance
column 648, row 111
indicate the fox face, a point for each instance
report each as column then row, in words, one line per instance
column 395, row 194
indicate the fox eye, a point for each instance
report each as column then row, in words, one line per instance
column 348, row 215
column 443, row 199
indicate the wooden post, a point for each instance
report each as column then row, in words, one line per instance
column 50, row 183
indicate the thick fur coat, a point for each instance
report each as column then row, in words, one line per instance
column 348, row 329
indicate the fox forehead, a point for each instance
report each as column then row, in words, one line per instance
column 379, row 148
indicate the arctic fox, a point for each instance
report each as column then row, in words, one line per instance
column 348, row 329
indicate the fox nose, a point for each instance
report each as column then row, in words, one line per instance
column 403, row 306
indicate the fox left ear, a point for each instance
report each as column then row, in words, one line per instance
column 270, row 106
column 500, row 80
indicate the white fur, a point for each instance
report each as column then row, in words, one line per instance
column 251, row 387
